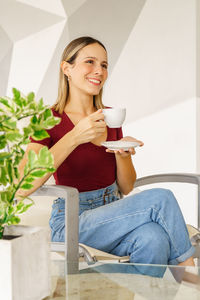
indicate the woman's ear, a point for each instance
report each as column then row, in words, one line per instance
column 65, row 67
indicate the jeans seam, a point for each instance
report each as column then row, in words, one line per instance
column 117, row 218
column 164, row 225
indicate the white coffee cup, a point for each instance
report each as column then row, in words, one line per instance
column 114, row 117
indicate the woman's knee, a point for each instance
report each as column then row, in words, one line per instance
column 160, row 196
column 152, row 234
column 151, row 244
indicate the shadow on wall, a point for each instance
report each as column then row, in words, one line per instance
column 109, row 21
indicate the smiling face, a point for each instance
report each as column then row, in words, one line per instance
column 89, row 71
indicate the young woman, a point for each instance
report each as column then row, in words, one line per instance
column 148, row 226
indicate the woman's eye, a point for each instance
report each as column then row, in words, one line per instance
column 89, row 61
column 105, row 66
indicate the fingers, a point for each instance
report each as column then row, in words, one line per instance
column 131, row 151
column 97, row 115
column 100, row 124
column 96, row 112
column 131, row 139
column 141, row 143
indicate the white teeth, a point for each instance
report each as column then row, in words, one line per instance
column 94, row 80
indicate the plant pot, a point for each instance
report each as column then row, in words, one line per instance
column 25, row 263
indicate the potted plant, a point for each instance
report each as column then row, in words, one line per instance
column 23, row 250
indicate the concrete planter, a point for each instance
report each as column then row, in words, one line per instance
column 25, row 263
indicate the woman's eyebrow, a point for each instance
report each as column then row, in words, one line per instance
column 93, row 57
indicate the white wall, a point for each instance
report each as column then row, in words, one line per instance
column 157, row 67
column 155, row 78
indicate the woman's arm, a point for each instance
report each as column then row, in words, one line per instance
column 126, row 174
column 60, row 151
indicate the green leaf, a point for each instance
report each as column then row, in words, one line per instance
column 5, row 155
column 22, row 151
column 51, row 170
column 16, row 93
column 39, row 120
column 2, row 163
column 10, row 123
column 34, row 120
column 40, row 135
column 13, row 220
column 26, row 168
column 28, row 131
column 5, row 102
column 20, row 205
column 24, row 101
column 13, row 136
column 31, row 97
column 3, row 143
column 25, row 208
column 29, row 179
column 10, row 210
column 45, row 158
column 26, row 141
column 10, row 171
column 47, row 114
column 32, row 159
column 39, row 173
column 40, row 105
column 18, row 102
column 17, row 97
column 16, row 160
column 9, row 196
column 16, row 172
column 43, row 155
column 33, row 106
column 26, row 186
column 3, row 176
column 49, row 123
column 4, row 196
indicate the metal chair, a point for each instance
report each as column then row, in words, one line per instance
column 73, row 250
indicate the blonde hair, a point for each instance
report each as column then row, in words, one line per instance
column 69, row 55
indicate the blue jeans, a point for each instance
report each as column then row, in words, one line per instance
column 148, row 226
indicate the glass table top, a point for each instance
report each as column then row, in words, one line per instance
column 109, row 281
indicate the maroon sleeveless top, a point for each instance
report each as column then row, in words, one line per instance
column 88, row 167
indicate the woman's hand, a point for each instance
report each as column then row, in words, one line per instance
column 89, row 128
column 131, row 151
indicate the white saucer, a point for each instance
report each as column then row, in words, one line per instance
column 116, row 145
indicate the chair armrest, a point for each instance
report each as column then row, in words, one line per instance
column 173, row 177
column 71, row 197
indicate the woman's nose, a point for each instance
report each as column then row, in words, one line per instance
column 98, row 70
